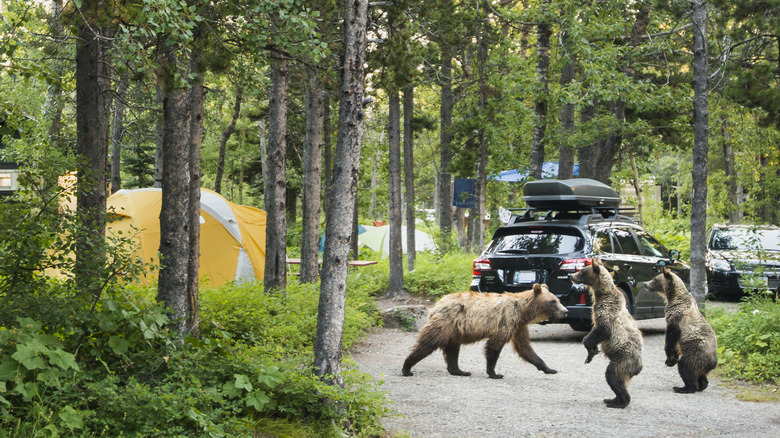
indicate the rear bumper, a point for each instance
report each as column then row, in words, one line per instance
column 571, row 300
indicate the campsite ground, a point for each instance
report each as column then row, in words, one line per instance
column 526, row 402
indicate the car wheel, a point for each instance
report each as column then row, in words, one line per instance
column 581, row 325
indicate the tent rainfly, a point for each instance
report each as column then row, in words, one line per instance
column 232, row 236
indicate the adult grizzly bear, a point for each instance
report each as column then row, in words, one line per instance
column 468, row 317
column 690, row 340
column 614, row 328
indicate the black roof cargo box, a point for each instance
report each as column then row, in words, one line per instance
column 569, row 194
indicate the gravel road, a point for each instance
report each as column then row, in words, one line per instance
column 527, row 402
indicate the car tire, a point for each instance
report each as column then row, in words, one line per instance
column 581, row 325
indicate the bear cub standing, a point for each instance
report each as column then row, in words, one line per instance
column 614, row 328
column 690, row 340
column 468, row 317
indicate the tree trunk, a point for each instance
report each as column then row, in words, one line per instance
column 327, row 156
column 587, row 154
column 565, row 151
column 92, row 149
column 540, row 104
column 117, row 129
column 195, row 141
column 478, row 224
column 173, row 282
column 330, row 317
column 444, row 207
column 732, row 178
column 698, row 281
column 159, row 135
column 395, row 289
column 54, row 96
column 372, row 209
column 275, row 190
column 637, row 185
column 409, row 175
column 231, row 128
column 312, row 180
column 459, row 220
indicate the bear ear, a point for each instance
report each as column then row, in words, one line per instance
column 537, row 288
column 596, row 267
column 666, row 271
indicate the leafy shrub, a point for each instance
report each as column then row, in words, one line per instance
column 433, row 276
column 674, row 233
column 749, row 340
column 436, row 277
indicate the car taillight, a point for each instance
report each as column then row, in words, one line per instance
column 574, row 265
column 481, row 265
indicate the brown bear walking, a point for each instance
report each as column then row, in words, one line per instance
column 468, row 317
column 614, row 328
column 690, row 340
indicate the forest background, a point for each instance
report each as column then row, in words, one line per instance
column 248, row 99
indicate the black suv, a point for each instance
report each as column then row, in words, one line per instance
column 568, row 223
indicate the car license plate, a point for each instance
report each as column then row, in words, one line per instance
column 525, row 277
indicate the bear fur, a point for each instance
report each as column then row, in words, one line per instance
column 614, row 328
column 690, row 340
column 469, row 317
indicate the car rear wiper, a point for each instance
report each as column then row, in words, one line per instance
column 514, row 251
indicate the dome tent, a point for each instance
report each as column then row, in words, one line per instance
column 232, row 236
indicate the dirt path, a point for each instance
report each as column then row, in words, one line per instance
column 527, row 402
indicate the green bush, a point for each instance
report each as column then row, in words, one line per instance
column 749, row 340
column 674, row 233
column 433, row 276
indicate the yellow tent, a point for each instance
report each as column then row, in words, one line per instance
column 232, row 236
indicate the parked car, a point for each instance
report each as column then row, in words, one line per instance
column 741, row 258
column 567, row 224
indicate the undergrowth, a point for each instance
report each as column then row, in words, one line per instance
column 749, row 340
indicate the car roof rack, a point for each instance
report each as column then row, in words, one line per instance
column 583, row 216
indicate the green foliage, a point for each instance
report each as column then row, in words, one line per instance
column 433, row 276
column 674, row 233
column 749, row 340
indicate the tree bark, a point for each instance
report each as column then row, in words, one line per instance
column 195, row 140
column 330, row 318
column 312, row 180
column 395, row 287
column 117, row 129
column 231, row 128
column 173, row 282
column 540, row 104
column 92, row 149
column 566, row 152
column 444, row 207
column 54, row 96
column 327, row 155
column 409, row 197
column 698, row 281
column 159, row 135
column 478, row 223
column 732, row 178
column 637, row 184
column 275, row 277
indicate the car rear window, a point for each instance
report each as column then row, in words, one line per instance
column 730, row 239
column 538, row 241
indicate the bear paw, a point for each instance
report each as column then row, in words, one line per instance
column 407, row 373
column 496, row 376
column 684, row 390
column 549, row 371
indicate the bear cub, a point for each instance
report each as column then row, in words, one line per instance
column 614, row 328
column 690, row 340
column 469, row 317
